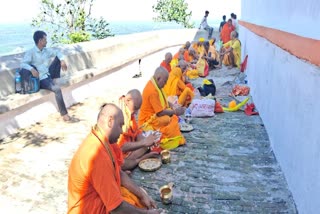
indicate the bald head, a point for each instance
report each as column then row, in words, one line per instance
column 168, row 57
column 133, row 100
column 187, row 45
column 110, row 120
column 161, row 76
column 183, row 65
column 234, row 34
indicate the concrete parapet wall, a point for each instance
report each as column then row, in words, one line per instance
column 87, row 61
column 286, row 92
column 100, row 55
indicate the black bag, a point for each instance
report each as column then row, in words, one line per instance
column 210, row 89
column 29, row 83
column 205, row 90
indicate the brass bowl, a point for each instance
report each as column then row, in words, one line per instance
column 165, row 156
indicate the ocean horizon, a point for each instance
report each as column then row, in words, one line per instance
column 17, row 37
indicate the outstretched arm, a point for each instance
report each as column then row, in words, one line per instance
column 145, row 142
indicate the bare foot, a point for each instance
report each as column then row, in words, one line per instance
column 150, row 155
column 66, row 118
column 230, row 67
column 128, row 172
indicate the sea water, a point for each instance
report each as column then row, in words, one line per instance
column 17, row 37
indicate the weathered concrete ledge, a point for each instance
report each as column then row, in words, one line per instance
column 87, row 62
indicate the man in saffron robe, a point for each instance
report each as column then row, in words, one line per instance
column 166, row 62
column 156, row 113
column 186, row 56
column 176, row 86
column 96, row 183
column 231, row 52
column 134, row 146
column 226, row 31
column 178, row 56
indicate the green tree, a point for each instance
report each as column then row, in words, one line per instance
column 70, row 21
column 173, row 10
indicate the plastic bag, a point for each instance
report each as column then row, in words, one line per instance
column 202, row 107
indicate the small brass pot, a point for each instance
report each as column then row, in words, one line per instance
column 165, row 156
column 166, row 193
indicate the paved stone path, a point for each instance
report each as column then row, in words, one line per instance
column 227, row 165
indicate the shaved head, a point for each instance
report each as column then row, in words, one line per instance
column 161, row 76
column 168, row 57
column 183, row 65
column 110, row 120
column 133, row 100
column 187, row 45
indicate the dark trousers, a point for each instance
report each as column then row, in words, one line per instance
column 210, row 31
column 212, row 63
column 48, row 84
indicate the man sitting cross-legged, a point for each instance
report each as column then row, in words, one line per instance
column 96, row 183
column 231, row 52
column 176, row 85
column 134, row 146
column 156, row 113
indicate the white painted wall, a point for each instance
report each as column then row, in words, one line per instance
column 286, row 92
column 294, row 16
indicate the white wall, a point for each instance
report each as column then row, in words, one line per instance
column 286, row 92
column 294, row 16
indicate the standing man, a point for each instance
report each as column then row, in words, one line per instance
column 223, row 22
column 204, row 25
column 37, row 61
column 96, row 183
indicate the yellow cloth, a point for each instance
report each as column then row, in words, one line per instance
column 236, row 49
column 162, row 96
column 201, row 39
column 130, row 198
column 174, row 63
column 192, row 74
column 206, row 82
column 148, row 119
column 214, row 53
column 201, row 51
column 175, row 86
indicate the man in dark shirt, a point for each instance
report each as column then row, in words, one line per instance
column 222, row 23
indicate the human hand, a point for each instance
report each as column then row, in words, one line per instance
column 148, row 202
column 34, row 72
column 63, row 65
column 150, row 140
column 179, row 111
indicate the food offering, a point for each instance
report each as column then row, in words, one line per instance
column 150, row 164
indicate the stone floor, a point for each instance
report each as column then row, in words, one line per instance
column 227, row 165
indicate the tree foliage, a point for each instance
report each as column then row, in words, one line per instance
column 173, row 10
column 70, row 21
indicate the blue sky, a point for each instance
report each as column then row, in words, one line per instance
column 120, row 10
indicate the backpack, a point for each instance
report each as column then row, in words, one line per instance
column 29, row 83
